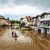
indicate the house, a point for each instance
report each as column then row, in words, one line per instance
column 27, row 20
column 23, row 20
column 35, row 20
column 43, row 24
column 4, row 21
column 35, row 23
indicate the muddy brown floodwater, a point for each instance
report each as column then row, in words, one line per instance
column 24, row 41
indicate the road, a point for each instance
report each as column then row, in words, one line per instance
column 24, row 41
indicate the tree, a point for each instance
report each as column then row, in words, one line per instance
column 15, row 21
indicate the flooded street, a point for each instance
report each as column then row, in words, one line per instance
column 25, row 41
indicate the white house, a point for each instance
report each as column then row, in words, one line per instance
column 27, row 20
column 43, row 23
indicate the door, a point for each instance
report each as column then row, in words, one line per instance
column 45, row 32
column 39, row 31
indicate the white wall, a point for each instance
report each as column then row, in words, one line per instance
column 42, row 30
column 46, row 16
column 48, row 31
column 24, row 20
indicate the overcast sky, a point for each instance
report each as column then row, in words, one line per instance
column 18, row 8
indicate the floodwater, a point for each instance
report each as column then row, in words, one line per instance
column 26, row 40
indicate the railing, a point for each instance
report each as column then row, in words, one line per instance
column 45, row 26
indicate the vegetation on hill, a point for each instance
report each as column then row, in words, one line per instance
column 15, row 21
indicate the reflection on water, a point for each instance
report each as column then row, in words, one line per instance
column 15, row 38
column 2, row 30
column 26, row 41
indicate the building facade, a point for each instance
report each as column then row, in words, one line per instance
column 27, row 20
column 43, row 23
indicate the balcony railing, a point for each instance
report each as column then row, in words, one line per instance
column 45, row 26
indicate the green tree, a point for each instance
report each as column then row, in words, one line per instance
column 15, row 21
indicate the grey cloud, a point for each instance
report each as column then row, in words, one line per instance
column 2, row 1
column 45, row 4
column 42, row 3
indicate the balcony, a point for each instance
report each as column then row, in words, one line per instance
column 44, row 26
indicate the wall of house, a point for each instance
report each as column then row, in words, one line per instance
column 47, row 16
column 45, row 20
column 35, row 21
column 42, row 29
column 27, row 21
column 24, row 20
column 48, row 31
